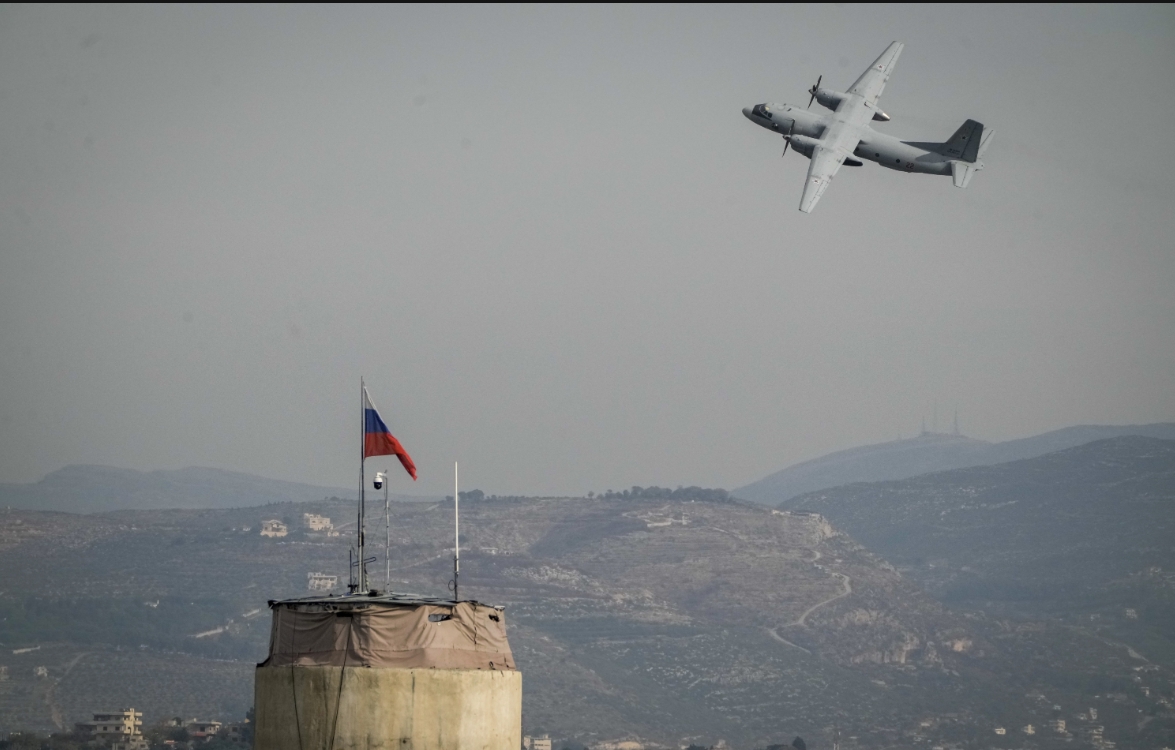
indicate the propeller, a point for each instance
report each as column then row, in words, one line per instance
column 814, row 89
column 787, row 138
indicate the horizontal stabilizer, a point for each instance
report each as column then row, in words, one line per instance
column 962, row 172
column 964, row 144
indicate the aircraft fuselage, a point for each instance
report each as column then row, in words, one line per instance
column 886, row 150
column 845, row 137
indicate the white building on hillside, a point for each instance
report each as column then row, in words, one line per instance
column 321, row 581
column 273, row 528
column 316, row 522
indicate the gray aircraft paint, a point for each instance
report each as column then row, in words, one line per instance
column 846, row 131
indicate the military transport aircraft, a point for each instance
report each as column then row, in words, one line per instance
column 845, row 137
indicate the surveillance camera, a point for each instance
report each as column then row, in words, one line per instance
column 379, row 480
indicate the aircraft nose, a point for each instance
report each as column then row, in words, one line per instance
column 747, row 112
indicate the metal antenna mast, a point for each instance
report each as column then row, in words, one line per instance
column 456, row 534
column 387, row 540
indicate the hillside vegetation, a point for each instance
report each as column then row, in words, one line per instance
column 1088, row 530
column 666, row 616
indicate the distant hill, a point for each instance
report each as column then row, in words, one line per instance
column 1082, row 532
column 629, row 617
column 926, row 453
column 98, row 489
column 675, row 621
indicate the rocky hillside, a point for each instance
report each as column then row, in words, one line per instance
column 1081, row 539
column 1044, row 531
column 668, row 620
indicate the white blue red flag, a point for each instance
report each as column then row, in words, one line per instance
column 378, row 439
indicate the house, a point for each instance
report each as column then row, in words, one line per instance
column 124, row 729
column 316, row 522
column 321, row 581
column 273, row 528
column 202, row 731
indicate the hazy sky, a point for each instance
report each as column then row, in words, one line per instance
column 554, row 246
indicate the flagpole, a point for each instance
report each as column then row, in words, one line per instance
column 361, row 578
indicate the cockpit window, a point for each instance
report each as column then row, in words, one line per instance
column 761, row 110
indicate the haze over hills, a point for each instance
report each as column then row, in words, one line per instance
column 670, row 617
column 929, row 452
column 99, row 489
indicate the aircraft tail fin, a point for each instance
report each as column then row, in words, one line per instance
column 964, row 144
column 985, row 141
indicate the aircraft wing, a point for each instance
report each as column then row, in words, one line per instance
column 872, row 81
column 825, row 162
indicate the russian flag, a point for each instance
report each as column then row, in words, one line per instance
column 379, row 441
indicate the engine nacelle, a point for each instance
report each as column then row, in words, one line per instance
column 803, row 144
column 830, row 99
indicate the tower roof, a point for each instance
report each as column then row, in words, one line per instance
column 403, row 631
column 391, row 598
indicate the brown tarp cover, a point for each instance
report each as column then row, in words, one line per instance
column 471, row 636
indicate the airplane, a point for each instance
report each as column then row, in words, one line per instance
column 845, row 136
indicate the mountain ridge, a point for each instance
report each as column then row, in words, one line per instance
column 83, row 488
column 927, row 453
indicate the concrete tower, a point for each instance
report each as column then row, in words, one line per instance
column 365, row 671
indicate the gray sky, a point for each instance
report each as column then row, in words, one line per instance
column 554, row 246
